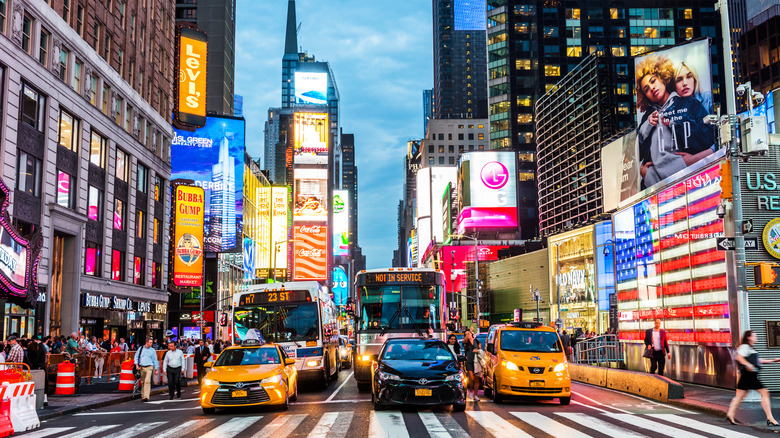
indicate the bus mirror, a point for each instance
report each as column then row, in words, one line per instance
column 289, row 361
column 490, row 349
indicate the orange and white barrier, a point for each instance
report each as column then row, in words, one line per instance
column 6, row 427
column 126, row 377
column 23, row 414
column 66, row 379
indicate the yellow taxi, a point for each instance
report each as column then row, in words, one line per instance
column 249, row 375
column 526, row 359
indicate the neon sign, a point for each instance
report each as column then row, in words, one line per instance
column 19, row 256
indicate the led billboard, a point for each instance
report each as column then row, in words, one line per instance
column 311, row 88
column 310, row 260
column 187, row 244
column 470, row 15
column 340, row 223
column 619, row 171
column 191, row 55
column 487, row 192
column 279, row 230
column 673, row 95
column 213, row 157
column 311, row 138
column 311, row 195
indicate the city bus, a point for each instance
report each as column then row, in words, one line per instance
column 300, row 316
column 392, row 303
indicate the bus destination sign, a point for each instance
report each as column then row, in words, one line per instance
column 280, row 296
column 400, row 278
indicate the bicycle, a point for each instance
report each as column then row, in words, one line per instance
column 137, row 385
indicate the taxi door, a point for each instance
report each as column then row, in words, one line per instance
column 290, row 373
column 492, row 359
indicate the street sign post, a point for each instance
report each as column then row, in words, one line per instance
column 730, row 243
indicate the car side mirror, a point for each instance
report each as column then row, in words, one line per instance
column 207, row 364
column 373, row 357
column 490, row 349
column 289, row 361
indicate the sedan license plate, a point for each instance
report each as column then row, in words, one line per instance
column 423, row 392
column 238, row 394
column 537, row 383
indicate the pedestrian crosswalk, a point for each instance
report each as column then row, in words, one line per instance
column 397, row 424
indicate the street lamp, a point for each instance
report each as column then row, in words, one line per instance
column 276, row 250
column 476, row 270
column 559, row 320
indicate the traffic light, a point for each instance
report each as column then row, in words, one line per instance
column 725, row 180
column 766, row 274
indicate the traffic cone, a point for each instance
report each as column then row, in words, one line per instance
column 127, row 378
column 66, row 379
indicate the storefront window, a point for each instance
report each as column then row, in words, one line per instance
column 19, row 320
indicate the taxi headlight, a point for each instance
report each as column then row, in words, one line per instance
column 560, row 367
column 455, row 377
column 365, row 358
column 510, row 365
column 313, row 363
column 387, row 376
column 210, row 382
column 273, row 379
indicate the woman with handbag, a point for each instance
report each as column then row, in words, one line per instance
column 749, row 364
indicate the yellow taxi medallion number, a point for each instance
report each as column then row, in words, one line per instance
column 239, row 394
column 537, row 383
column 423, row 392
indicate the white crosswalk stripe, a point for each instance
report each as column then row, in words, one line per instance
column 387, row 424
column 437, row 426
column 600, row 425
column 135, row 430
column 232, row 428
column 90, row 431
column 281, row 426
column 185, row 429
column 700, row 425
column 646, row 423
column 41, row 433
column 332, row 425
column 496, row 425
column 548, row 425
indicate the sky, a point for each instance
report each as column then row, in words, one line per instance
column 381, row 54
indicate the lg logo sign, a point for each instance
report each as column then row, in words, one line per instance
column 494, row 176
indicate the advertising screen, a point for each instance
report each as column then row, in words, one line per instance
column 311, row 195
column 619, row 170
column 249, row 258
column 487, row 192
column 279, row 230
column 187, row 244
column 340, row 223
column 190, row 102
column 674, row 95
column 311, row 88
column 340, row 287
column 470, row 15
column 310, row 261
column 213, row 157
column 311, row 138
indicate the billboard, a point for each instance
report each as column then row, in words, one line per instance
column 190, row 96
column 311, row 195
column 487, row 192
column 311, row 88
column 673, row 95
column 311, row 138
column 213, row 157
column 279, row 229
column 431, row 183
column 340, row 223
column 188, row 202
column 470, row 15
column 310, row 260
column 619, row 170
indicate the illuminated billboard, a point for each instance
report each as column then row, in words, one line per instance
column 340, row 223
column 311, row 195
column 431, row 183
column 191, row 55
column 311, row 88
column 311, row 138
column 19, row 257
column 310, row 259
column 187, row 242
column 673, row 96
column 213, row 157
column 279, row 230
column 619, row 171
column 487, row 192
column 470, row 15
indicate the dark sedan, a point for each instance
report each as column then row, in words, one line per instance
column 415, row 371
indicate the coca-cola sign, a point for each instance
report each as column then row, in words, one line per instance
column 310, row 260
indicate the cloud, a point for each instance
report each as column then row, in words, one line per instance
column 381, row 56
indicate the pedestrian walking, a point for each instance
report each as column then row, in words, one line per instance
column 658, row 344
column 566, row 341
column 468, row 351
column 749, row 364
column 172, row 365
column 452, row 343
column 479, row 358
column 146, row 362
column 202, row 355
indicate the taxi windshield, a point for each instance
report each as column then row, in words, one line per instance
column 530, row 341
column 433, row 351
column 248, row 356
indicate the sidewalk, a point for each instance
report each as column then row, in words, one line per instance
column 96, row 395
column 716, row 401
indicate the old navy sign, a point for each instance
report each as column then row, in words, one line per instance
column 573, row 278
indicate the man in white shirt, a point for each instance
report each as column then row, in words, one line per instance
column 171, row 367
column 122, row 345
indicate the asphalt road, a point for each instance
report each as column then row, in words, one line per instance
column 341, row 411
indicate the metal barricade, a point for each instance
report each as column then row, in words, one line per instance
column 92, row 365
column 603, row 350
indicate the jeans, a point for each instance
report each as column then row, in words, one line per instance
column 658, row 361
column 146, row 380
column 174, row 381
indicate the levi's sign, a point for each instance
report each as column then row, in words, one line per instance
column 192, row 52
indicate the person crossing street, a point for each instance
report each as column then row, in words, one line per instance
column 172, row 364
column 146, row 362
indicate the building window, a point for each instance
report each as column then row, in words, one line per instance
column 688, row 14
column 122, row 170
column 686, row 32
column 552, row 70
column 525, row 118
column 143, row 177
column 66, row 11
column 122, row 14
column 43, row 48
column 65, row 189
column 140, row 225
column 138, row 270
column 33, row 107
column 3, row 13
column 156, row 274
column 80, row 21
column 621, row 89
column 431, row 160
column 617, row 14
column 69, row 131
column 623, row 108
column 93, row 88
column 121, row 70
column 28, row 174
column 119, row 214
column 92, row 259
column 142, row 38
column 130, row 73
column 107, row 48
column 441, row 160
column 64, row 64
column 550, row 32
column 480, row 136
column 27, row 26
column 451, row 149
column 523, row 64
column 156, row 231
column 117, row 265
column 573, row 14
column 118, row 108
column 157, row 184
column 106, row 98
column 97, row 150
column 95, row 204
column 619, row 51
column 430, row 149
column 129, row 119
column 132, row 26
column 452, row 160
column 574, row 52
column 525, row 175
column 441, row 148
column 77, row 76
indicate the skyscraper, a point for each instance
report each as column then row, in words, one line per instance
column 222, row 215
column 459, row 59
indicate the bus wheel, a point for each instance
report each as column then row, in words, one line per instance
column 326, row 373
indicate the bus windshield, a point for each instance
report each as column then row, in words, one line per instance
column 396, row 307
column 280, row 323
